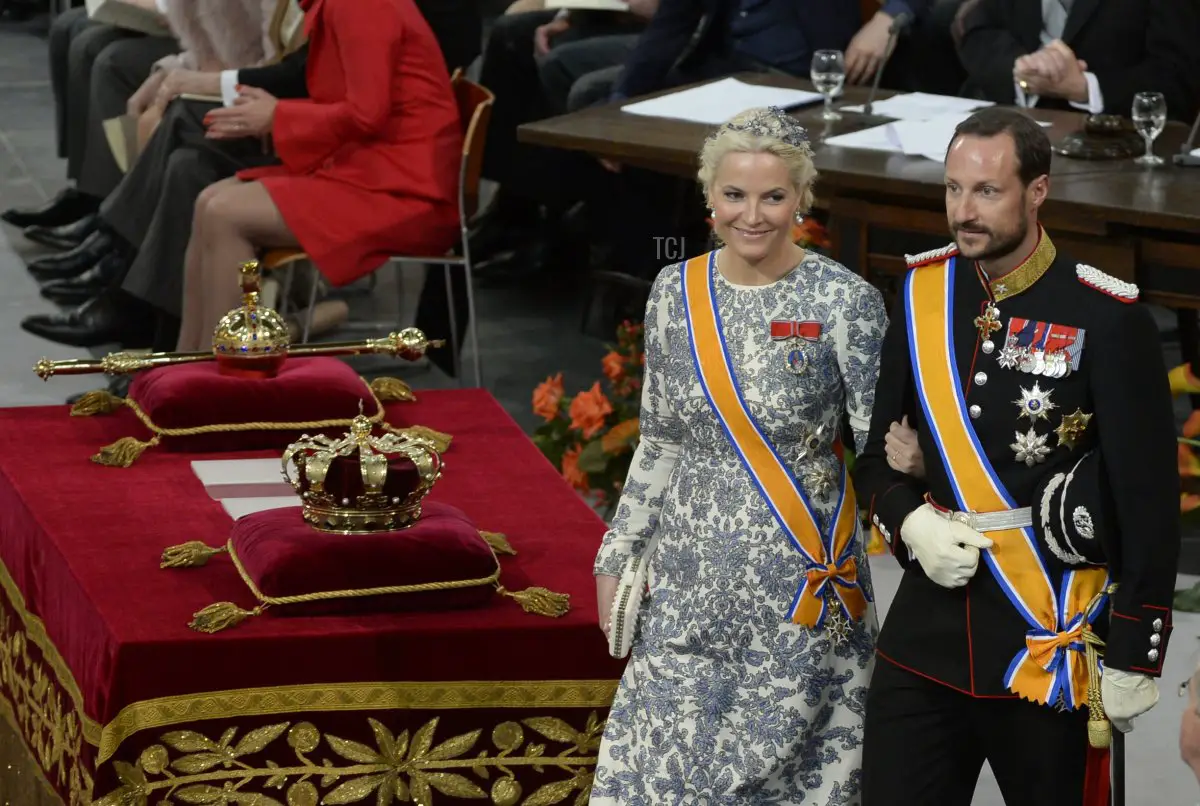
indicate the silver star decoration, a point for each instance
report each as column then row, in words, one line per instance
column 836, row 624
column 999, row 289
column 1035, row 403
column 1010, row 356
column 1030, row 447
column 819, row 481
column 810, row 443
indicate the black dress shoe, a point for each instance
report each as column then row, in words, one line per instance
column 77, row 261
column 67, row 236
column 79, row 290
column 96, row 322
column 503, row 228
column 69, row 205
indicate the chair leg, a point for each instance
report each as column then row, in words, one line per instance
column 312, row 304
column 473, row 326
column 285, row 294
column 455, row 347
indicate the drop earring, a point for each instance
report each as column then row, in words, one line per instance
column 799, row 217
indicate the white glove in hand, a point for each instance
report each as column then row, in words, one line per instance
column 1126, row 695
column 947, row 551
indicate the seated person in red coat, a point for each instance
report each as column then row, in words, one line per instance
column 370, row 160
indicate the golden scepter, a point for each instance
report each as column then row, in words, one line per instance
column 250, row 340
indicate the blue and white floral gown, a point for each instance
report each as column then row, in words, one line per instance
column 724, row 700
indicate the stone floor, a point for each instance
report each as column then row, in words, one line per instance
column 528, row 331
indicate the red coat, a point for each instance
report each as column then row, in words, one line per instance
column 371, row 159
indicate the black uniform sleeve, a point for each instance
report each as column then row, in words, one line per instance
column 891, row 495
column 989, row 49
column 1136, row 431
column 284, row 79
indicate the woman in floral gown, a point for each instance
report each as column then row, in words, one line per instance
column 748, row 673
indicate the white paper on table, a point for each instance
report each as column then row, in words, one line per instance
column 1196, row 152
column 719, row 101
column 921, row 106
column 241, row 507
column 876, row 138
column 242, row 478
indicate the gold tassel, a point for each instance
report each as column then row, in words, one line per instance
column 124, row 452
column 498, row 542
column 1099, row 729
column 389, row 390
column 540, row 601
column 97, row 401
column 220, row 616
column 191, row 554
column 441, row 441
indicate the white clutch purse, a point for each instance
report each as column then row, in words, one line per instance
column 627, row 603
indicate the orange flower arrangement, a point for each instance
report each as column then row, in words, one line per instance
column 590, row 437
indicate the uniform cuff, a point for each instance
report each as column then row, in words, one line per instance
column 888, row 511
column 229, row 84
column 1137, row 640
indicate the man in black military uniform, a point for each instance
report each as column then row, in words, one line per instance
column 1035, row 383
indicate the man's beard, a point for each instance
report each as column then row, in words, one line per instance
column 998, row 244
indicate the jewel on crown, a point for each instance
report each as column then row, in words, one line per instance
column 360, row 483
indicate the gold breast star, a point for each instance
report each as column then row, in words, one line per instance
column 989, row 322
column 1072, row 427
column 1035, row 403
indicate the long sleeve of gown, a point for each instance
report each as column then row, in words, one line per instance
column 646, row 486
column 861, row 327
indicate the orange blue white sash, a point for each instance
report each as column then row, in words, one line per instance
column 1052, row 667
column 831, row 573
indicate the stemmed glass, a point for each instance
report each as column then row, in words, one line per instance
column 1149, row 118
column 828, row 75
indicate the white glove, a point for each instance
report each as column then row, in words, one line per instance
column 948, row 551
column 1126, row 695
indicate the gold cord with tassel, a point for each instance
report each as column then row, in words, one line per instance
column 441, row 441
column 390, row 390
column 540, row 601
column 192, row 554
column 124, row 452
column 97, row 401
column 498, row 542
column 220, row 616
column 1099, row 729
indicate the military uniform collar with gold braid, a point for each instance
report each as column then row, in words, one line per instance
column 1029, row 272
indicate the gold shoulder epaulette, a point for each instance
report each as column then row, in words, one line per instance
column 1106, row 283
column 932, row 256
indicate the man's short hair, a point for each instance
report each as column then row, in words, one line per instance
column 1032, row 144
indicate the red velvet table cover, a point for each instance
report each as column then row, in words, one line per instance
column 118, row 700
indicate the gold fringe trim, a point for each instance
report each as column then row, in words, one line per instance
column 540, row 601
column 498, row 542
column 219, row 616
column 440, row 440
column 192, row 554
column 124, row 452
column 97, row 401
column 391, row 390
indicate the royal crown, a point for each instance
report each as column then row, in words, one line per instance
column 362, row 483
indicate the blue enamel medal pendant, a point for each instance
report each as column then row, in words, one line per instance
column 797, row 362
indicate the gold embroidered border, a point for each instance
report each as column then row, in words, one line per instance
column 35, row 633
column 28, row 763
column 1024, row 276
column 151, row 714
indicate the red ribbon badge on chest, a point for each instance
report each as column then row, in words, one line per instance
column 785, row 329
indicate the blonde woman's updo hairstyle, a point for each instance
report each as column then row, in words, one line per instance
column 767, row 130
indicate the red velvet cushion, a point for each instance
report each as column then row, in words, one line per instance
column 305, row 390
column 287, row 557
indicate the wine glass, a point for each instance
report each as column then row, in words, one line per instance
column 1149, row 118
column 828, row 75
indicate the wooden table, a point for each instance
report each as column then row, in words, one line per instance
column 1133, row 222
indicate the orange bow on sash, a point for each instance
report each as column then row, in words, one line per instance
column 831, row 557
column 1052, row 667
